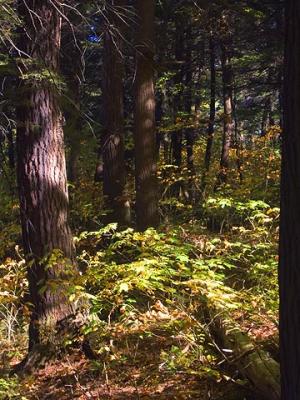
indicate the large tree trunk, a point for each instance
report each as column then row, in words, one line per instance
column 113, row 137
column 42, row 182
column 289, row 265
column 144, row 120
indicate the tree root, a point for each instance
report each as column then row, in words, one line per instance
column 66, row 338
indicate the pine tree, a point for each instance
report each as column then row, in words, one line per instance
column 144, row 120
column 41, row 171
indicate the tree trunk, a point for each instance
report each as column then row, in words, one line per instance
column 212, row 114
column 189, row 131
column 237, row 140
column 201, row 51
column 10, row 148
column 144, row 120
column 227, row 76
column 264, row 121
column 41, row 172
column 289, row 251
column 113, row 138
column 176, row 138
column 72, row 69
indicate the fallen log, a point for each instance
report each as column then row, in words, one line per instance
column 253, row 362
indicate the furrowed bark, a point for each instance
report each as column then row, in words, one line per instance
column 41, row 172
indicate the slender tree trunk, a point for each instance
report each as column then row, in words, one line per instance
column 72, row 66
column 113, row 138
column 166, row 110
column 10, row 148
column 264, row 121
column 237, row 140
column 41, row 171
column 73, row 117
column 72, row 69
column 144, row 120
column 228, row 132
column 74, row 125
column 289, row 251
column 2, row 158
column 189, row 131
column 176, row 138
column 280, row 97
column 212, row 114
column 271, row 112
column 201, row 51
column 238, row 150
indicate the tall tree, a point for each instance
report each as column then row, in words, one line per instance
column 289, row 268
column 188, row 99
column 72, row 66
column 212, row 113
column 41, row 171
column 178, row 97
column 113, row 138
column 144, row 119
column 227, row 77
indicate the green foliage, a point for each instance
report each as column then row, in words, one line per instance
column 127, row 271
column 13, row 286
column 227, row 212
column 10, row 389
column 213, row 250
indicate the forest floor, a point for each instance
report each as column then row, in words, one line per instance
column 135, row 371
column 149, row 292
column 137, row 365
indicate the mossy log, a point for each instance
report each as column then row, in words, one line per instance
column 253, row 362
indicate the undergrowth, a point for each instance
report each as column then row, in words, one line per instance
column 150, row 290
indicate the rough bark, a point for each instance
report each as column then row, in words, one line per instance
column 114, row 178
column 144, row 120
column 41, row 172
column 289, row 251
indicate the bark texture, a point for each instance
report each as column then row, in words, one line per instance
column 113, row 138
column 41, row 171
column 289, row 265
column 144, row 120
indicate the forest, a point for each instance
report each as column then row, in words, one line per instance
column 150, row 199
